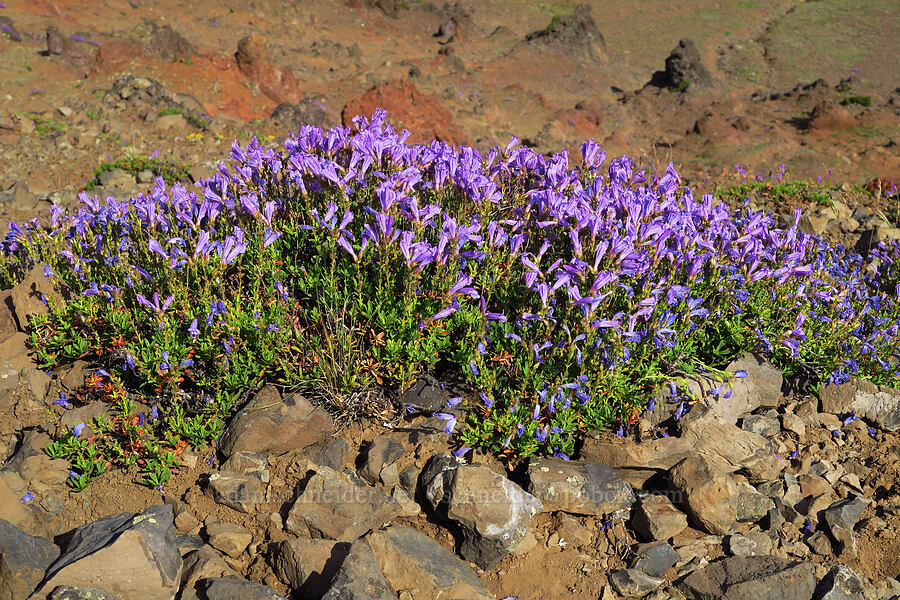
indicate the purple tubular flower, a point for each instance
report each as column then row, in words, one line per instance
column 452, row 402
column 460, row 452
column 77, row 429
column 449, row 418
column 28, row 497
column 63, row 401
column 740, row 373
column 192, row 329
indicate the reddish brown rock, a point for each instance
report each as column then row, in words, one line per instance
column 276, row 83
column 407, row 107
column 829, row 116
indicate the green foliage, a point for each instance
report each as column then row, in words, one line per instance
column 169, row 170
column 858, row 100
column 791, row 192
column 45, row 125
column 198, row 120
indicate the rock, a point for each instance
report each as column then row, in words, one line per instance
column 841, row 517
column 750, row 506
column 577, row 34
column 253, row 60
column 828, row 117
column 582, row 488
column 26, row 516
column 841, row 583
column 708, row 496
column 360, row 577
column 75, row 50
column 174, row 123
column 294, row 115
column 684, row 67
column 270, row 425
column 32, row 464
column 794, row 424
column 9, row 376
column 420, row 113
column 332, row 506
column 27, row 296
column 635, row 462
column 426, row 395
column 878, row 404
column 23, row 561
column 752, row 543
column 408, row 506
column 248, row 463
column 751, row 578
column 8, row 28
column 493, row 513
column 654, row 558
column 163, row 41
column 730, row 448
column 37, row 381
column 203, row 563
column 631, row 582
column 128, row 554
column 235, row 588
column 656, row 518
column 335, row 454
column 309, row 566
column 571, row 531
column 229, row 538
column 67, row 592
column 819, row 543
column 411, row 560
column 236, row 490
column 766, row 426
column 382, row 452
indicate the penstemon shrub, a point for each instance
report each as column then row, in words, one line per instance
column 561, row 293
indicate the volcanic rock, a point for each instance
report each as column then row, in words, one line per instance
column 751, row 578
column 581, row 488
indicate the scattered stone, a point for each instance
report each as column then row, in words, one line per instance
column 427, row 395
column 841, row 517
column 32, row 464
column 128, row 554
column 236, row 490
column 819, row 543
column 766, row 426
column 749, row 578
column 235, row 588
column 494, row 513
column 163, row 41
column 632, row 582
column 750, row 506
column 878, row 404
column 23, row 560
column 411, row 560
column 68, row 592
column 794, row 424
column 270, row 425
column 654, row 558
column 360, row 577
column 175, row 124
column 203, row 563
column 571, row 532
column 752, row 543
column 656, row 518
column 730, row 448
column 75, row 50
column 383, row 451
column 309, row 566
column 581, row 488
column 27, row 296
column 230, row 538
column 408, row 507
column 828, row 117
column 332, row 506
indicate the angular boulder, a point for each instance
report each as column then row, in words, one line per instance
column 236, row 490
column 656, row 518
column 272, row 425
column 360, row 577
column 332, row 506
column 635, row 462
column 580, row 488
column 493, row 513
column 751, row 578
column 23, row 561
column 309, row 566
column 880, row 405
column 707, row 495
column 129, row 554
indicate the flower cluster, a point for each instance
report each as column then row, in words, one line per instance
column 562, row 292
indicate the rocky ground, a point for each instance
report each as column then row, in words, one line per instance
column 769, row 495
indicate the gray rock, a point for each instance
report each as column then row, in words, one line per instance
column 750, row 506
column 384, row 451
column 128, row 554
column 332, row 506
column 841, row 517
column 236, row 490
column 309, row 566
column 360, row 577
column 294, row 115
column 819, row 543
column 578, row 487
column 203, row 563
column 577, row 34
column 117, row 179
column 751, row 578
column 270, row 425
column 878, row 404
column 654, row 558
column 334, row 454
column 23, row 560
column 765, row 425
column 752, row 543
column 411, row 560
column 631, row 582
column 493, row 513
column 248, row 463
column 426, row 395
column 235, row 588
column 684, row 67
column 68, row 592
column 656, row 518
column 841, row 583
